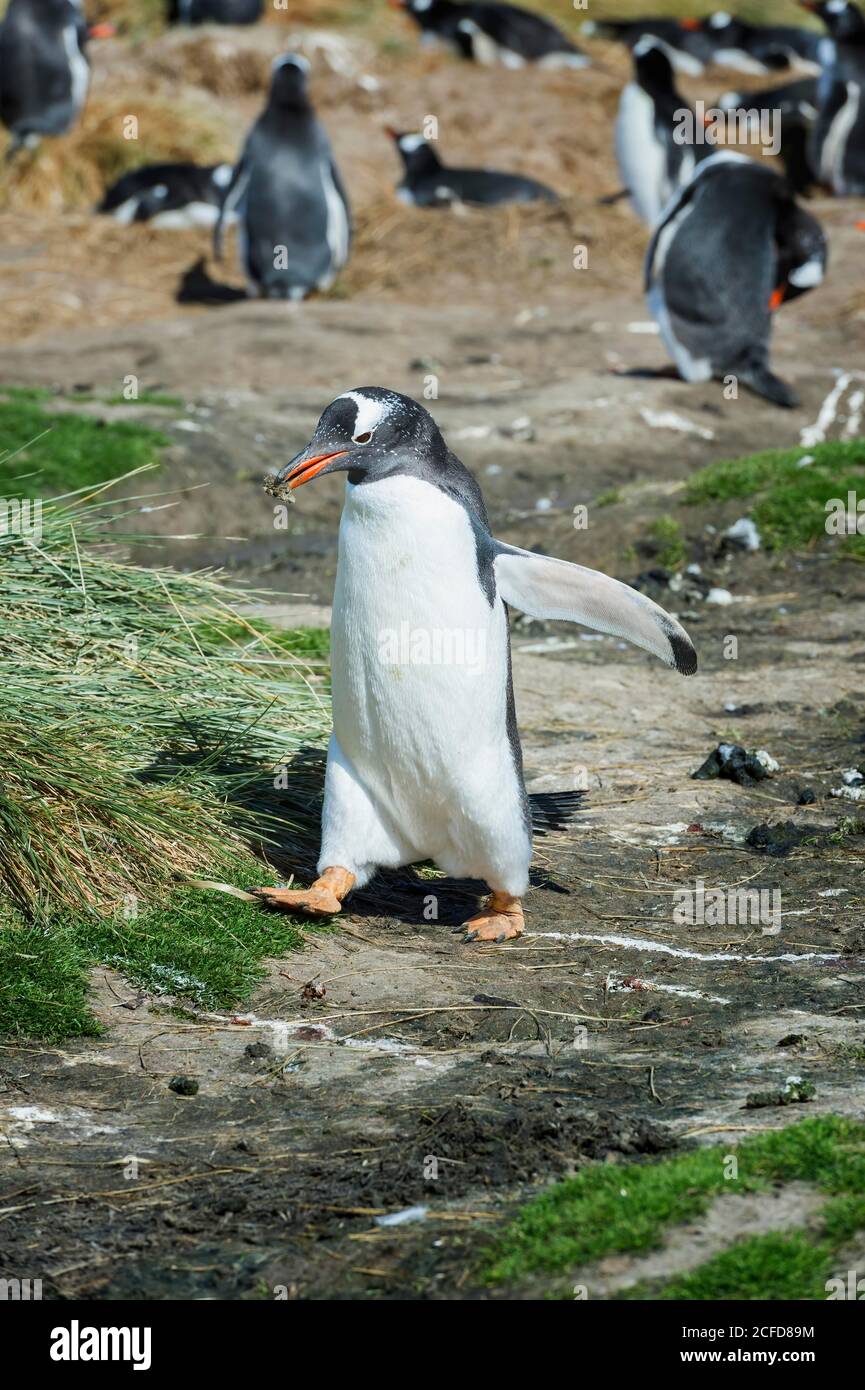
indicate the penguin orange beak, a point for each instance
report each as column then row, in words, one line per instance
column 308, row 469
column 689, row 23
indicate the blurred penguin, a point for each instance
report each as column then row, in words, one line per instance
column 837, row 145
column 796, row 103
column 731, row 247
column 653, row 161
column 169, row 196
column 292, row 210
column 429, row 183
column 215, row 11
column 491, row 33
column 44, row 69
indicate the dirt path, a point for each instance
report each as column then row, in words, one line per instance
column 426, row 1056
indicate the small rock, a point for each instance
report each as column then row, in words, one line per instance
column 796, row 1091
column 807, row 797
column 732, row 763
column 183, row 1085
column 744, row 534
column 720, row 596
column 258, row 1051
column 776, row 840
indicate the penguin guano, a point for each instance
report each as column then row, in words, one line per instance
column 653, row 163
column 292, row 210
column 490, row 33
column 44, row 69
column 424, row 761
column 731, row 247
column 685, row 44
column 837, row 145
column 760, row 48
column 169, row 196
column 796, row 103
column 428, row 183
column 215, row 11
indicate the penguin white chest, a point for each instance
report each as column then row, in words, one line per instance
column 420, row 655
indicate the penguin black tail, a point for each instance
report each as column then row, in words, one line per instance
column 553, row 811
column 763, row 382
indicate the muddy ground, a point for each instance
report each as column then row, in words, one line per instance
column 315, row 1115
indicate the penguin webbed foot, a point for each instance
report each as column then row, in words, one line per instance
column 500, row 919
column 323, row 898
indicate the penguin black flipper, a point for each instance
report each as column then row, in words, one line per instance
column 544, row 587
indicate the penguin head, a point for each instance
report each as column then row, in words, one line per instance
column 652, row 67
column 288, row 81
column 843, row 19
column 418, row 155
column 368, row 433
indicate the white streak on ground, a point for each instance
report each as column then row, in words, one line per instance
column 634, row 943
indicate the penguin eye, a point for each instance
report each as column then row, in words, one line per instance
column 362, row 438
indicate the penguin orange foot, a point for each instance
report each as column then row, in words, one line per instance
column 322, row 899
column 500, row 919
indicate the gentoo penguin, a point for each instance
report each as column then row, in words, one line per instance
column 171, row 196
column 491, row 33
column 44, row 69
column 653, row 163
column 837, row 146
column 759, row 48
column 424, row 761
column 685, row 44
column 215, row 11
column 796, row 103
column 730, row 247
column 430, row 184
column 292, row 210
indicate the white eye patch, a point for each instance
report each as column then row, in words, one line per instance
column 370, row 413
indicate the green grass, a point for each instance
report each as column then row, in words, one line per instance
column 666, row 532
column 206, row 947
column 788, row 502
column 307, row 643
column 629, row 1209
column 44, row 453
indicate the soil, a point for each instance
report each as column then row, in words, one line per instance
column 430, row 1072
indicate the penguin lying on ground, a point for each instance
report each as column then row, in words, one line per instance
column 44, row 69
column 295, row 227
column 215, row 11
column 172, row 196
column 685, row 44
column 424, row 761
column 491, row 33
column 760, row 47
column 730, row 248
column 837, row 146
column 797, row 104
column 652, row 162
column 430, row 184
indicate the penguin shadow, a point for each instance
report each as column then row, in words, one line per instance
column 196, row 286
column 290, row 804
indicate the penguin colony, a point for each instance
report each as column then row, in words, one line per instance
column 428, row 766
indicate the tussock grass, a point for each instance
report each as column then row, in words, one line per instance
column 139, row 741
column 74, row 170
